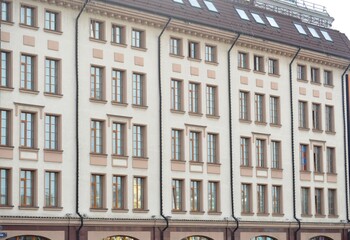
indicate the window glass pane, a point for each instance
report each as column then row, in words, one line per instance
column 242, row 14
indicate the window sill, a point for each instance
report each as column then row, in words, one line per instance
column 306, row 215
column 56, row 95
column 28, row 207
column 177, row 111
column 277, row 214
column 116, row 210
column 94, row 100
column 140, row 210
column 197, row 212
column 328, row 86
column 195, row 114
column 274, row 75
column 303, row 80
column 178, row 211
column 247, row 214
column 53, row 150
column 317, row 130
column 245, row 121
column 139, row 106
column 34, row 149
column 320, row 216
column 140, row 158
column 120, row 156
column 212, row 116
column 278, row 125
column 315, row 83
column 6, row 207
column 213, row 164
column 9, row 89
column 259, row 72
column 119, row 44
column 176, row 56
column 29, row 27
column 214, row 213
column 52, row 208
column 331, row 174
column 57, row 32
column 262, row 168
column 7, row 23
column 305, row 171
column 244, row 69
column 214, row 63
column 304, row 129
column 98, row 40
column 194, row 59
column 23, row 90
column 98, row 154
column 260, row 123
column 142, row 49
column 333, row 216
column 246, row 167
column 330, row 132
column 6, row 147
column 98, row 209
column 263, row 214
column 178, row 160
column 196, row 162
column 119, row 104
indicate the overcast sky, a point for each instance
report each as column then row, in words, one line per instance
column 339, row 10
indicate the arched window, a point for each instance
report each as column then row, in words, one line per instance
column 264, row 238
column 321, row 238
column 197, row 238
column 28, row 237
column 120, row 237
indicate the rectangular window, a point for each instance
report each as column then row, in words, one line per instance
column 245, row 151
column 97, row 182
column 304, row 157
column 331, row 166
column 213, row 196
column 212, row 100
column 317, row 159
column 246, row 198
column 96, row 136
column 301, row 72
column 276, row 199
column 4, row 187
column 196, row 195
column 177, row 194
column 5, row 125
column 27, row 130
column 5, row 69
column 276, row 154
column 258, row 63
column 328, row 78
column 318, row 201
column 27, row 188
column 52, row 20
column 51, row 132
column 243, row 60
column 210, row 53
column 273, row 66
column 27, row 72
column 332, row 202
column 118, row 139
column 176, row 46
column 51, row 76
column 176, row 144
column 139, row 138
column 315, row 75
column 195, row 146
column 316, row 116
column 138, row 89
column 193, row 50
column 261, row 192
column 176, row 95
column 303, row 113
column 194, row 97
column 212, row 148
column 5, row 11
column 118, row 188
column 305, row 201
column 28, row 16
column 138, row 38
column 260, row 151
column 259, row 108
column 244, row 104
column 329, row 118
column 275, row 110
column 51, row 189
column 96, row 83
column 139, row 193
column 118, row 34
column 118, row 86
column 97, row 29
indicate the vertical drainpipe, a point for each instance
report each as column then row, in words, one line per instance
column 346, row 130
column 77, row 122
column 161, row 133
column 292, row 141
column 230, row 133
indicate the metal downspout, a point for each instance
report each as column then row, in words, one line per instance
column 292, row 141
column 231, row 132
column 161, row 132
column 77, row 122
column 346, row 136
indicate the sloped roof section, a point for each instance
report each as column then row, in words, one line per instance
column 227, row 18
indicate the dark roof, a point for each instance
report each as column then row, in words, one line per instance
column 228, row 19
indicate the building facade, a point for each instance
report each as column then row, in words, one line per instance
column 171, row 119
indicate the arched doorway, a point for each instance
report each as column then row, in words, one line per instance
column 264, row 238
column 197, row 238
column 321, row 238
column 28, row 237
column 120, row 237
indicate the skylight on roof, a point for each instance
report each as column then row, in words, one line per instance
column 300, row 28
column 194, row 3
column 179, row 1
column 313, row 32
column 210, row 6
column 242, row 14
column 272, row 22
column 326, row 36
column 257, row 18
